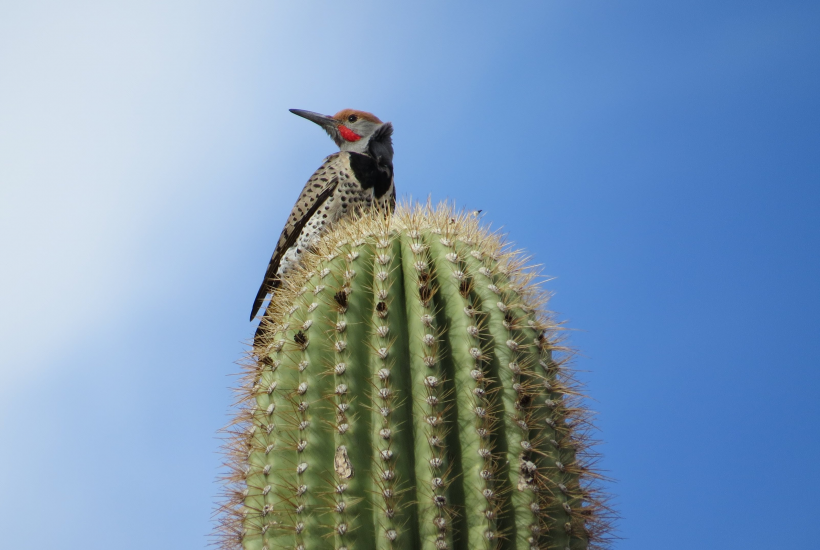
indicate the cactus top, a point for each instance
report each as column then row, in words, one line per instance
column 408, row 389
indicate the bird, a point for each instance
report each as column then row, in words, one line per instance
column 358, row 177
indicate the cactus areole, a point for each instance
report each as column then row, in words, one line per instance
column 408, row 391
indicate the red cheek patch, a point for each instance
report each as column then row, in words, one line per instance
column 348, row 134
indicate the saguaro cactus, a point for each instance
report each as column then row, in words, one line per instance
column 407, row 392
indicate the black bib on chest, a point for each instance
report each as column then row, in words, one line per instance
column 367, row 172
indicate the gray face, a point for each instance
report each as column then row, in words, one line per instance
column 362, row 127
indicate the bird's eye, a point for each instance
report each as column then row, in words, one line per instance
column 352, row 118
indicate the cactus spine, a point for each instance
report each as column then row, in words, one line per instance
column 407, row 392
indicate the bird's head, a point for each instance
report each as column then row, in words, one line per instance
column 356, row 131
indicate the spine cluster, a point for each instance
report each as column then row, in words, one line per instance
column 409, row 391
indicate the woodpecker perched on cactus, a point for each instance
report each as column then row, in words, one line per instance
column 359, row 176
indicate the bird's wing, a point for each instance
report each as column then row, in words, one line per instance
column 316, row 191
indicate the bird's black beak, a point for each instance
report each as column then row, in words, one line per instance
column 330, row 124
column 327, row 122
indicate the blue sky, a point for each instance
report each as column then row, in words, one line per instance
column 661, row 160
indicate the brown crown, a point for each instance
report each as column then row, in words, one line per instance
column 342, row 115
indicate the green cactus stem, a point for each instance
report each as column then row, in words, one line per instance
column 409, row 391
